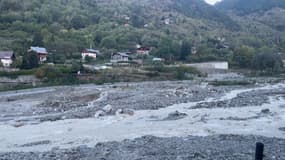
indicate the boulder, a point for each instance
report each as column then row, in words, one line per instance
column 99, row 114
column 265, row 111
column 125, row 111
column 108, row 109
column 175, row 116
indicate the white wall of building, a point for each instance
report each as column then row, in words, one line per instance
column 6, row 62
column 211, row 65
column 93, row 55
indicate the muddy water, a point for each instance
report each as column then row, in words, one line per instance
column 199, row 122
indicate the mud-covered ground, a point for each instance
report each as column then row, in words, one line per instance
column 57, row 103
column 122, row 121
column 221, row 147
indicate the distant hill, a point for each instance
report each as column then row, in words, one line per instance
column 250, row 6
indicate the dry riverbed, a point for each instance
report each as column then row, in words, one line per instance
column 120, row 121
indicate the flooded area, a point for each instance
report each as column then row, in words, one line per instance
column 41, row 120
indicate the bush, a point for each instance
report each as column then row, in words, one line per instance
column 243, row 56
column 57, row 75
column 268, row 62
column 49, row 73
column 179, row 72
column 30, row 61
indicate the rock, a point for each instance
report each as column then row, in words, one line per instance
column 175, row 116
column 54, row 149
column 125, row 111
column 265, row 111
column 119, row 111
column 38, row 143
column 129, row 112
column 18, row 124
column 108, row 109
column 99, row 114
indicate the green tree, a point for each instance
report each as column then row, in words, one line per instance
column 30, row 60
column 89, row 59
column 168, row 49
column 76, row 67
column 38, row 39
column 109, row 42
column 78, row 22
column 270, row 62
column 243, row 56
column 185, row 50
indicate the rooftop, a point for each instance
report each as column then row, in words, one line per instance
column 92, row 50
column 125, row 54
column 39, row 50
column 6, row 54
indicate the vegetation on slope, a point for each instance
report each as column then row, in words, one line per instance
column 66, row 27
column 250, row 6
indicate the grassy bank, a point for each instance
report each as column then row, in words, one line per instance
column 67, row 75
column 16, row 74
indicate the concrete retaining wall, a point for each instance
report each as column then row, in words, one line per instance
column 210, row 65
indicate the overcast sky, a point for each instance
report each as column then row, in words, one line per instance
column 212, row 1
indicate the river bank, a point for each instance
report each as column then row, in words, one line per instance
column 37, row 123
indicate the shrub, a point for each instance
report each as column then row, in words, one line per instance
column 268, row 62
column 48, row 72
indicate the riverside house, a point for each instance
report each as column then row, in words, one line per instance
column 7, row 58
column 120, row 57
column 143, row 51
column 90, row 53
column 41, row 52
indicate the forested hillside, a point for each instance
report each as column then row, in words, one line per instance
column 250, row 6
column 65, row 27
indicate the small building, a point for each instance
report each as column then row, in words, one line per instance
column 143, row 51
column 120, row 57
column 7, row 58
column 90, row 53
column 41, row 52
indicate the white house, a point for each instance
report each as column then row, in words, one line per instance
column 120, row 57
column 7, row 58
column 90, row 53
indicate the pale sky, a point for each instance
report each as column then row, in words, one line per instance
column 212, row 1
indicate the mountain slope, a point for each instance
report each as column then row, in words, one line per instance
column 74, row 23
column 250, row 6
column 267, row 12
column 65, row 27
